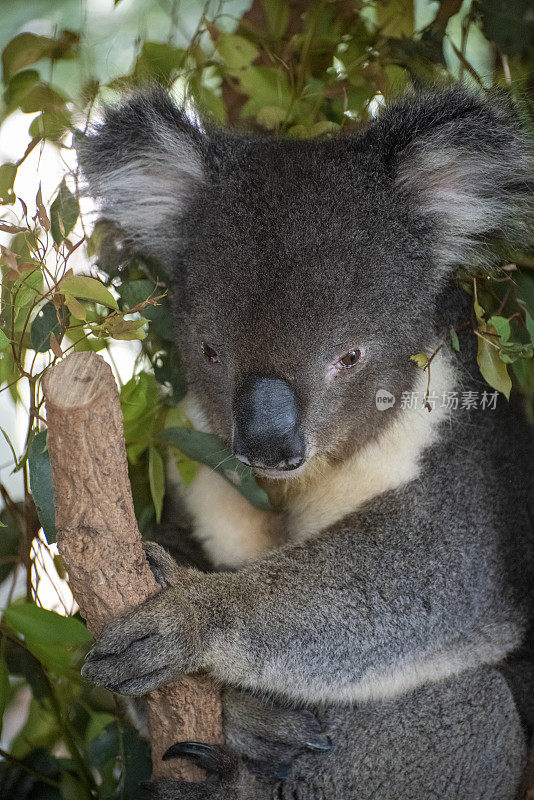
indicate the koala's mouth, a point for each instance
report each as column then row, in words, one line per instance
column 280, row 474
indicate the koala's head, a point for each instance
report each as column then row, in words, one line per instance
column 305, row 273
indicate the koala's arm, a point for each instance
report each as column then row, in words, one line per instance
column 388, row 599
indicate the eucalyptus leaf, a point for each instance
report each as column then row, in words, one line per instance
column 502, row 326
column 45, row 323
column 41, row 485
column 19, row 86
column 493, row 369
column 64, row 212
column 4, row 688
column 27, row 292
column 55, row 640
column 51, row 124
column 8, row 173
column 132, row 293
column 236, row 51
column 10, row 538
column 211, row 450
column 277, row 13
column 88, row 289
column 134, row 767
column 156, row 476
column 28, row 48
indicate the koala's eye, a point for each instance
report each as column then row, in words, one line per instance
column 209, row 353
column 349, row 359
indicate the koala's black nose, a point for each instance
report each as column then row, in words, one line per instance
column 267, row 431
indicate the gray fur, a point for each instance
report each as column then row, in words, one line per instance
column 284, row 256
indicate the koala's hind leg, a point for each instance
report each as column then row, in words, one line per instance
column 461, row 739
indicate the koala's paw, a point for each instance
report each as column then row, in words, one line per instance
column 164, row 568
column 269, row 736
column 218, row 762
column 147, row 647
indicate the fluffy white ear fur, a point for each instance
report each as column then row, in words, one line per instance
column 147, row 195
column 471, row 176
column 463, row 192
column 141, row 165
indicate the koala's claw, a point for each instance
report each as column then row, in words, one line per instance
column 147, row 647
column 321, row 742
column 164, row 568
column 265, row 732
column 211, row 757
column 219, row 763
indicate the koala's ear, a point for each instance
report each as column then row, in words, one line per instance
column 141, row 164
column 465, row 166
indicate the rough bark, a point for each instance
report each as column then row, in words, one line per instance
column 100, row 542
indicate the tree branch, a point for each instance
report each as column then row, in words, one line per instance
column 100, row 542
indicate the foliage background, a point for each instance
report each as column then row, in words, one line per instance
column 277, row 66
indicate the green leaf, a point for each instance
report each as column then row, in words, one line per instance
column 27, row 291
column 19, row 86
column 169, row 369
column 493, row 369
column 28, row 48
column 156, row 476
column 277, row 13
column 4, row 689
column 10, row 538
column 421, row 359
column 122, row 329
column 8, row 173
column 132, row 293
column 64, row 212
column 88, row 289
column 51, row 125
column 42, row 97
column 45, row 323
column 139, row 403
column 41, row 730
column 265, row 86
column 529, row 321
column 323, row 127
column 71, row 788
column 187, row 469
column 158, row 61
column 211, row 450
column 236, row 51
column 4, row 341
column 41, row 626
column 56, row 641
column 97, row 724
column 502, row 326
column 23, row 664
column 41, row 485
column 454, row 339
column 271, row 117
column 133, row 767
column 479, row 311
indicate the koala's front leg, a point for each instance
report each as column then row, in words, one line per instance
column 366, row 609
column 163, row 637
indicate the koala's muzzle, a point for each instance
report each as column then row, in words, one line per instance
column 267, row 430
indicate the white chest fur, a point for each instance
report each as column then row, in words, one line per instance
column 233, row 532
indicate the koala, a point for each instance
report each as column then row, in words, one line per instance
column 371, row 630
